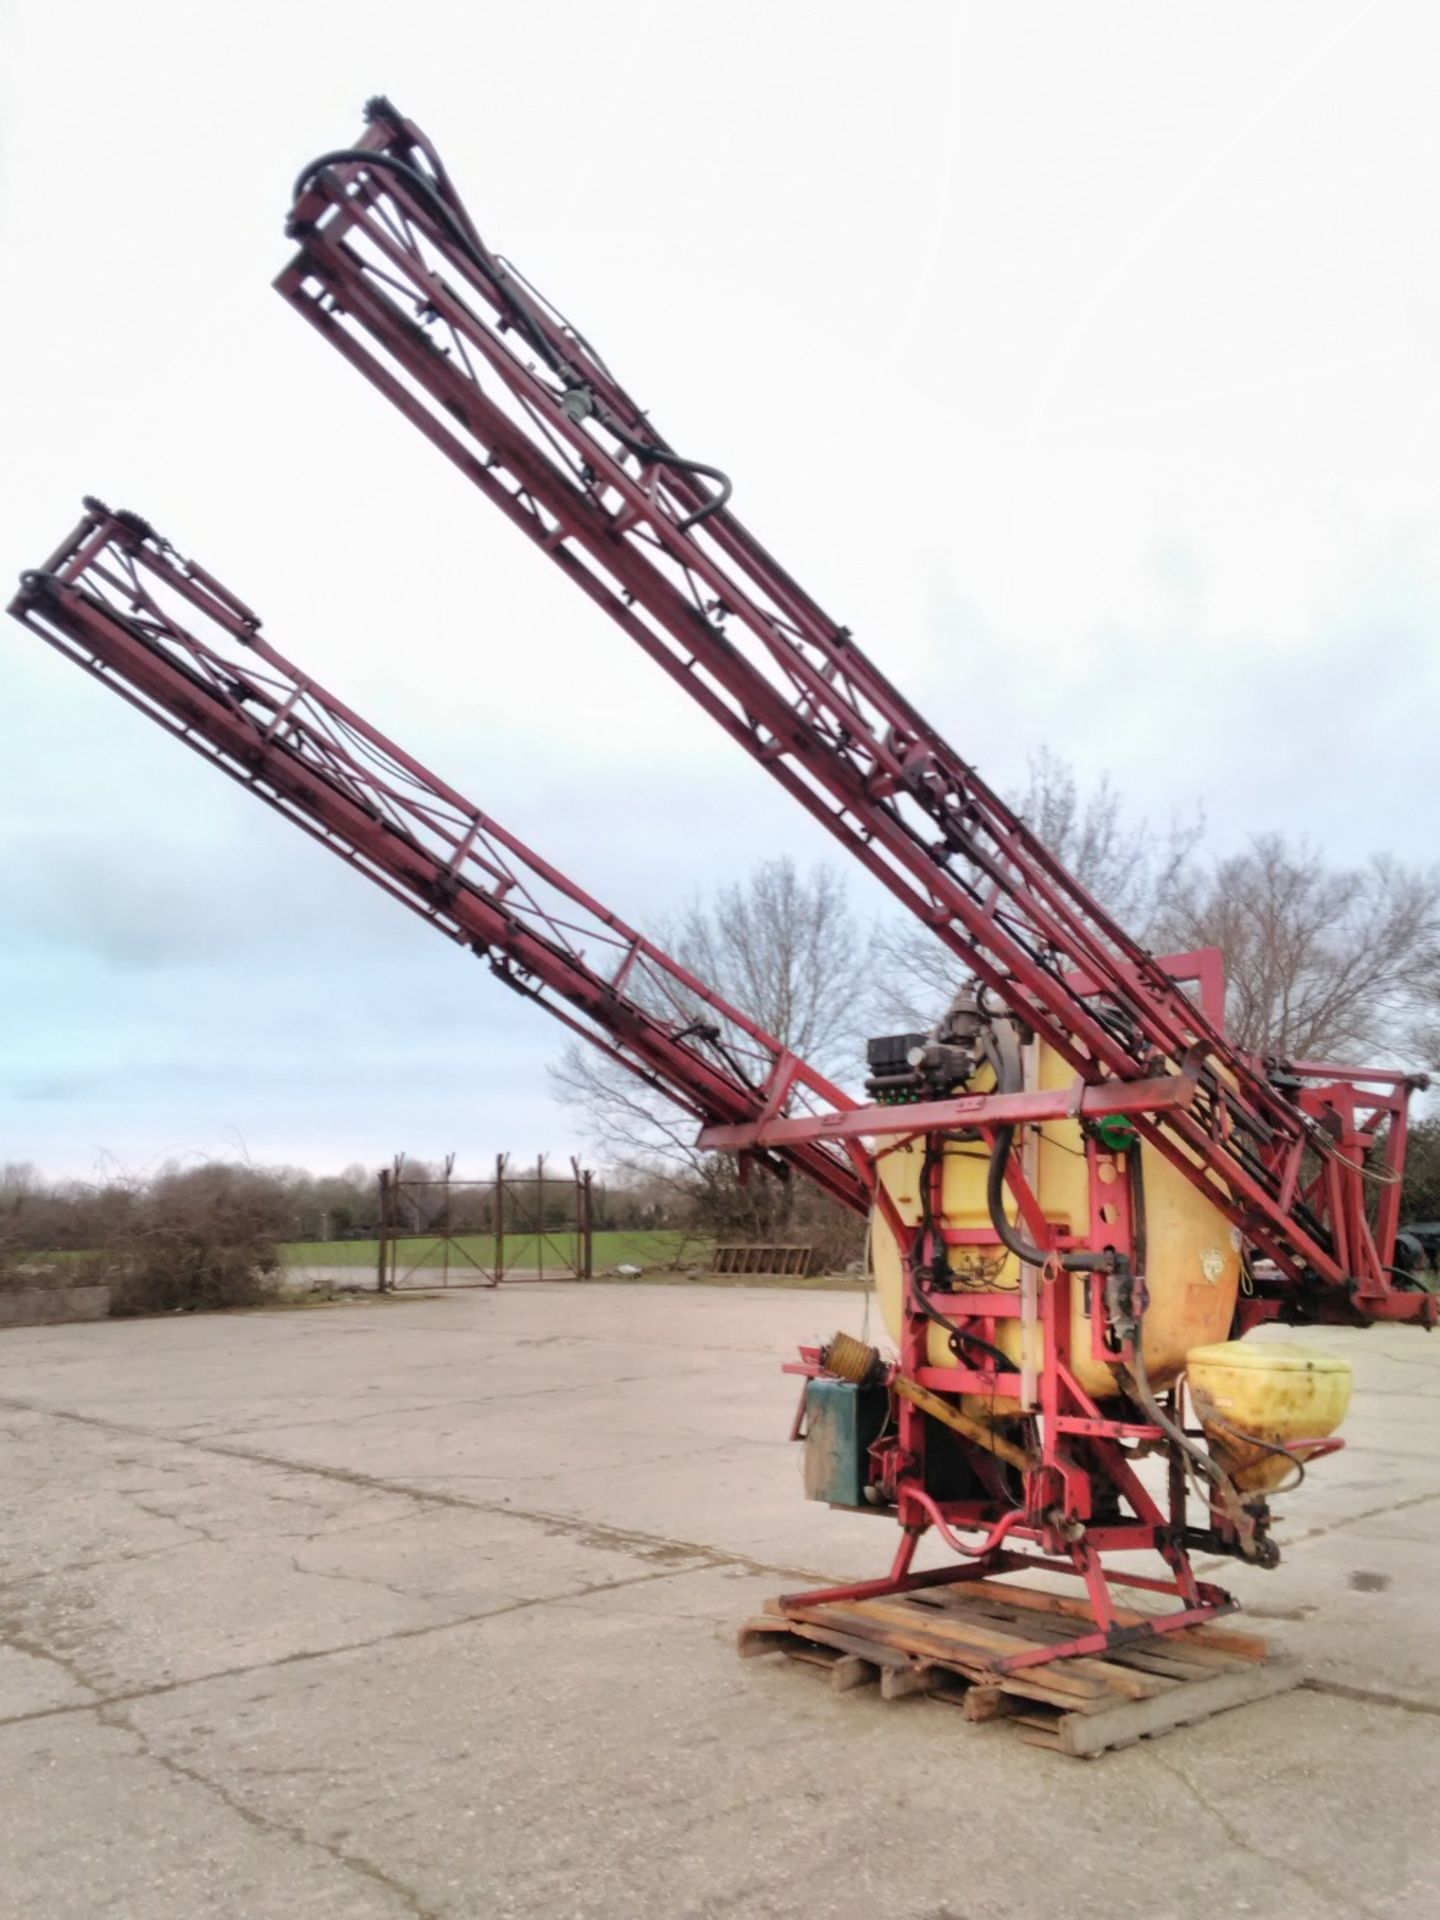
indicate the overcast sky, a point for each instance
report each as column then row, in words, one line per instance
column 1084, row 359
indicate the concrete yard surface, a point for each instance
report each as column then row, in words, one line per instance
column 427, row 1607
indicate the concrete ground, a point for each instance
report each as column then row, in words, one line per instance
column 427, row 1608
column 413, row 1280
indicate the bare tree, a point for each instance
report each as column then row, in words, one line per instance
column 783, row 946
column 1423, row 1039
column 185, row 1237
column 1320, row 962
column 1131, row 867
column 1421, row 1200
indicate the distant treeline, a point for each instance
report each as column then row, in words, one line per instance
column 42, row 1214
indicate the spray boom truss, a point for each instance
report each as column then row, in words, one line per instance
column 169, row 638
column 392, row 270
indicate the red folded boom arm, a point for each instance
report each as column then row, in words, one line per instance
column 391, row 269
column 164, row 634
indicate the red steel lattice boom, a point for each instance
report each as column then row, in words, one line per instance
column 164, row 634
column 393, row 271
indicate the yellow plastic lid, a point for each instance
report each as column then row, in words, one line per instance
column 1270, row 1356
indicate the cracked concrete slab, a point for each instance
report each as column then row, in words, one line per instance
column 428, row 1608
column 261, row 1576
column 125, row 1833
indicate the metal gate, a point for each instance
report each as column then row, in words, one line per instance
column 440, row 1231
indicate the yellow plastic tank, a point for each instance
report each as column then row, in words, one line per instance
column 1193, row 1259
column 1273, row 1391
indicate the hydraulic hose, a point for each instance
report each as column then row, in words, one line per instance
column 508, row 292
column 1137, row 1383
column 1297, row 1461
column 958, row 1336
column 1007, row 1074
column 937, row 1520
column 1137, row 1378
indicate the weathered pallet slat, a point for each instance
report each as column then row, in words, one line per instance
column 947, row 1644
column 1248, row 1646
column 1138, row 1719
column 976, row 1644
column 767, row 1257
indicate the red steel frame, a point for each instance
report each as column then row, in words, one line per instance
column 392, row 271
column 1054, row 1518
column 164, row 634
column 1081, row 1448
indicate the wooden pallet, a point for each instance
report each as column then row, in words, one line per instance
column 767, row 1257
column 944, row 1642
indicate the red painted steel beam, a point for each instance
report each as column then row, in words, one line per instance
column 392, row 271
column 1397, row 1077
column 986, row 1110
column 166, row 636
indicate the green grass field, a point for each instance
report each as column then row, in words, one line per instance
column 527, row 1251
column 656, row 1253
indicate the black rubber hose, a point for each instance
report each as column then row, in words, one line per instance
column 1011, row 1236
column 1137, row 1382
column 435, row 200
column 1005, row 1058
column 534, row 332
column 1265, row 1446
column 958, row 1335
column 1139, row 1229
